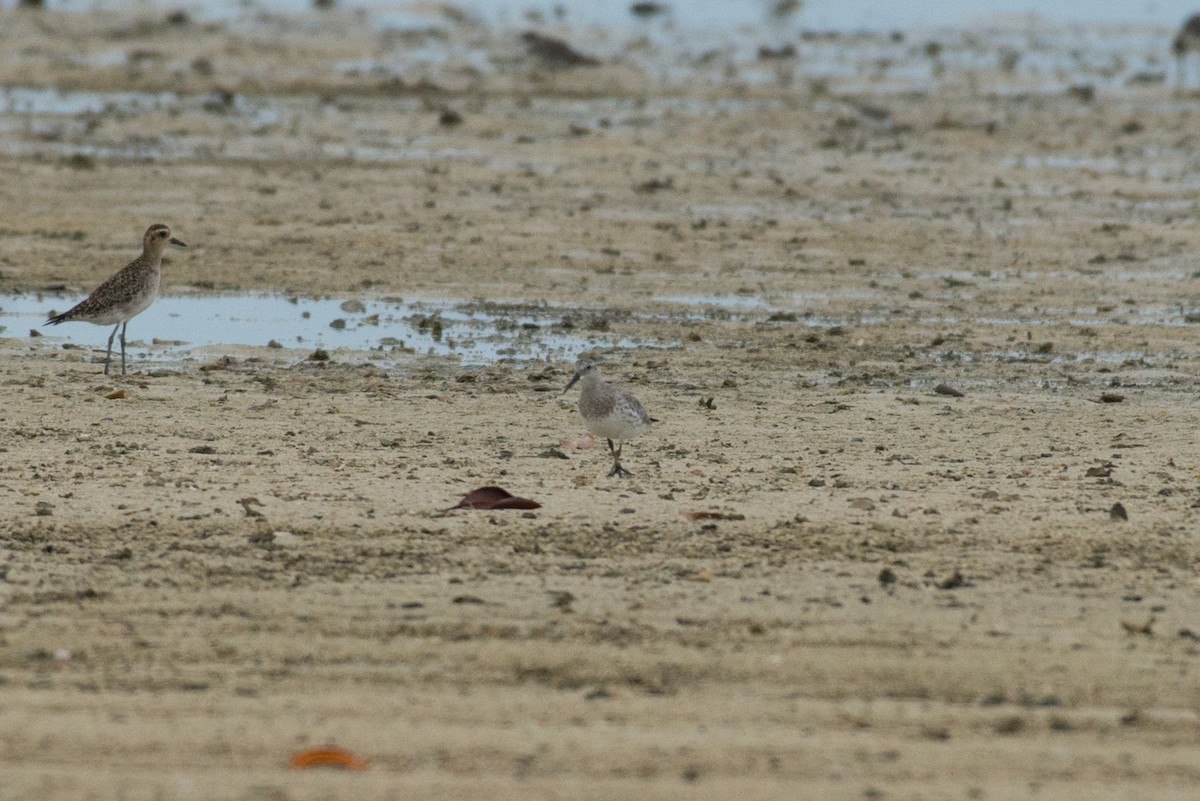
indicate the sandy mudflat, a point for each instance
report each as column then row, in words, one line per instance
column 826, row 578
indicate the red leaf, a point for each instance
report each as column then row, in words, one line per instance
column 328, row 757
column 494, row 498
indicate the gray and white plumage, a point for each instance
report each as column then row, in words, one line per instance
column 125, row 295
column 608, row 411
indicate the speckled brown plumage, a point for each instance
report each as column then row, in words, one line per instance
column 127, row 294
column 608, row 411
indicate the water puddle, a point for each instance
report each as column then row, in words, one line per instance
column 25, row 100
column 786, row 307
column 199, row 326
column 1095, row 165
column 844, row 15
column 479, row 332
column 741, row 303
column 798, row 307
column 712, row 42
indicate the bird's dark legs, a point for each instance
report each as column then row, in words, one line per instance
column 108, row 353
column 617, row 470
column 124, row 325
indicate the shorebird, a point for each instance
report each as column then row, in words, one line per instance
column 608, row 412
column 127, row 294
column 1186, row 41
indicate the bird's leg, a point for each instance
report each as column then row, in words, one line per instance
column 124, row 325
column 617, row 470
column 108, row 353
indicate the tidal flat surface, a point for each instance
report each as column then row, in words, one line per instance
column 916, row 311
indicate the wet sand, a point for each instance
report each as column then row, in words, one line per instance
column 918, row 520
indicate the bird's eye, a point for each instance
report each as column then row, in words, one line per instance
column 162, row 233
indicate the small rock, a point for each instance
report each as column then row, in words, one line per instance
column 647, row 9
column 654, row 185
column 1009, row 725
column 767, row 53
column 955, row 581
column 80, row 161
column 1083, row 92
column 1146, row 628
column 264, row 539
column 555, row 53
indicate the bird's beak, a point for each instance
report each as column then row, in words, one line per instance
column 570, row 384
column 175, row 241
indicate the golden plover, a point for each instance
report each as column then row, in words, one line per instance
column 608, row 412
column 1186, row 41
column 127, row 294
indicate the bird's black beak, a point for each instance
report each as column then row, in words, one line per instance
column 175, row 241
column 571, row 383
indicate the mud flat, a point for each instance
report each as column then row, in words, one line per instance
column 919, row 519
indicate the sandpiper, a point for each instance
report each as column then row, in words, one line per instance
column 608, row 412
column 127, row 294
column 1186, row 41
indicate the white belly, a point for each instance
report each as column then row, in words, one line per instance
column 615, row 426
